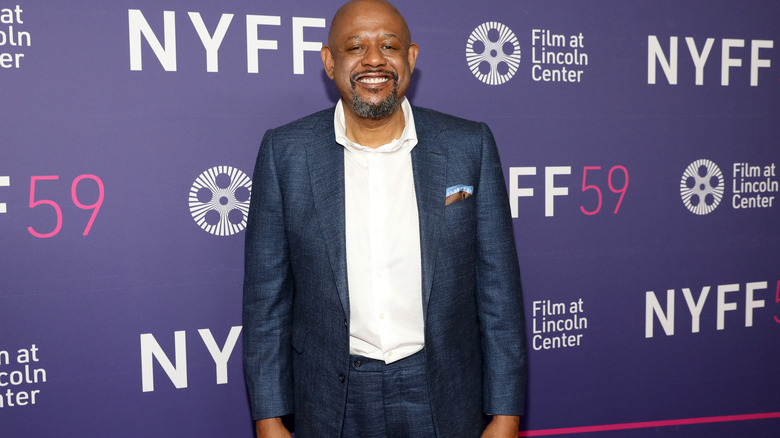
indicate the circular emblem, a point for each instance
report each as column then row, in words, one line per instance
column 701, row 187
column 219, row 200
column 493, row 53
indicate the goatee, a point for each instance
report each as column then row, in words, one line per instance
column 379, row 110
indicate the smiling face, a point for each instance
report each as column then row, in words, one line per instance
column 370, row 57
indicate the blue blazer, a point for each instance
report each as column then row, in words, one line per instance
column 296, row 296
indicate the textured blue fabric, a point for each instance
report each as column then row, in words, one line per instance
column 296, row 298
column 387, row 401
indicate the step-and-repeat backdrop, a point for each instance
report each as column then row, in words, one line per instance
column 639, row 141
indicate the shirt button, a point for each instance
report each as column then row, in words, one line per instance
column 389, row 354
column 341, row 378
column 382, row 316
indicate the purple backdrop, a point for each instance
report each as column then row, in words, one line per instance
column 639, row 142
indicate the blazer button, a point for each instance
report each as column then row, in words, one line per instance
column 341, row 378
column 345, row 322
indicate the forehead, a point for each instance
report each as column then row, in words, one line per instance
column 368, row 19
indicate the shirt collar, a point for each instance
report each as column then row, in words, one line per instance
column 408, row 138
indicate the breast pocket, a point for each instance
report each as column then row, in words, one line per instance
column 460, row 219
column 460, row 208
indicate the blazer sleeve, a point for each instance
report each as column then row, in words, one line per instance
column 268, row 294
column 499, row 296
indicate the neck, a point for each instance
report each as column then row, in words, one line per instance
column 374, row 133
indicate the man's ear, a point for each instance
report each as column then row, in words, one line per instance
column 414, row 50
column 327, row 60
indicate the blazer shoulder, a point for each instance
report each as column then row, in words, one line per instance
column 451, row 131
column 312, row 128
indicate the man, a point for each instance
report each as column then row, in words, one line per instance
column 382, row 291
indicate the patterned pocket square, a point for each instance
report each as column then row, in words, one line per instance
column 457, row 193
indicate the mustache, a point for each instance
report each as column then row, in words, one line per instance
column 392, row 74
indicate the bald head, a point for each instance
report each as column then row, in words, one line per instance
column 362, row 9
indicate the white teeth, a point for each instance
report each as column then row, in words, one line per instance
column 369, row 80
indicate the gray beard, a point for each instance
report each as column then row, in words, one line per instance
column 379, row 110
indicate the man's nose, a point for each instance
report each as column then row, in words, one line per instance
column 374, row 57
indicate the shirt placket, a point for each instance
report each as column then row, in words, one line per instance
column 379, row 269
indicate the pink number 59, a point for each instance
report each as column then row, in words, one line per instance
column 58, row 211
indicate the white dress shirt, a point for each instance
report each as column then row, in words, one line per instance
column 383, row 244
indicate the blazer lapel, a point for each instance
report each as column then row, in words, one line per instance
column 325, row 159
column 429, row 166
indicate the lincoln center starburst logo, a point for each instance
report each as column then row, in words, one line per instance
column 219, row 200
column 493, row 53
column 701, row 187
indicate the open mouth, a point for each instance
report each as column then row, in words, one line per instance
column 375, row 77
column 372, row 80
